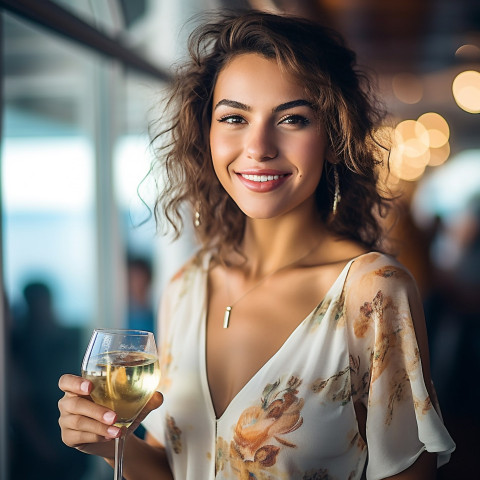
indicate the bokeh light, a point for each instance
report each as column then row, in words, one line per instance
column 437, row 128
column 416, row 145
column 439, row 155
column 466, row 91
column 468, row 52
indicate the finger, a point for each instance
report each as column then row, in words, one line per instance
column 75, row 439
column 75, row 384
column 152, row 404
column 77, row 429
column 155, row 401
column 80, row 406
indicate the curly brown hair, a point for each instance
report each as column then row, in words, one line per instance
column 341, row 94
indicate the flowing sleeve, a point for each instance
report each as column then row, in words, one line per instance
column 390, row 367
column 154, row 423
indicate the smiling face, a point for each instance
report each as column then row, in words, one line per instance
column 267, row 143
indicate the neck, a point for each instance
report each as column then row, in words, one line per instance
column 274, row 243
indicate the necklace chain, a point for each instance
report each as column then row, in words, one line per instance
column 228, row 309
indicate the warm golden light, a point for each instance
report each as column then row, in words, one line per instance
column 437, row 128
column 438, row 156
column 411, row 138
column 409, row 129
column 405, row 167
column 416, row 152
column 410, row 154
column 416, row 144
column 466, row 91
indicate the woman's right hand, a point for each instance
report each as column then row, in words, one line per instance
column 86, row 426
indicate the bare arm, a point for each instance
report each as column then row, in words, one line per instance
column 144, row 460
column 88, row 427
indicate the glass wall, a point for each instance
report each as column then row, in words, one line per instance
column 78, row 243
column 49, row 251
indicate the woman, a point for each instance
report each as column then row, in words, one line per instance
column 291, row 348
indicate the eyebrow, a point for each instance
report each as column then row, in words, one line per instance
column 292, row 104
column 279, row 108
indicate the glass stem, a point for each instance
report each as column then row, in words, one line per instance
column 119, row 444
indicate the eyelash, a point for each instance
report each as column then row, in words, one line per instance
column 226, row 118
column 295, row 119
column 291, row 119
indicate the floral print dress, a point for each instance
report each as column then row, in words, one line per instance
column 296, row 418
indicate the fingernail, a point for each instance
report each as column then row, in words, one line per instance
column 109, row 417
column 113, row 431
column 84, row 387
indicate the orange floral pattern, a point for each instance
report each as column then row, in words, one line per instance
column 336, row 388
column 319, row 313
column 166, row 360
column 423, row 406
column 259, row 435
column 222, row 454
column 360, row 381
column 174, row 434
column 395, row 348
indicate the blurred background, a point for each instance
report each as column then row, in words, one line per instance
column 82, row 80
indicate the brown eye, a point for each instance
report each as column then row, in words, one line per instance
column 232, row 119
column 295, row 120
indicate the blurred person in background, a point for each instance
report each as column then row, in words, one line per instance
column 452, row 311
column 139, row 280
column 41, row 349
column 292, row 346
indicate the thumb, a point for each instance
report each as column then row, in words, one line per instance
column 152, row 404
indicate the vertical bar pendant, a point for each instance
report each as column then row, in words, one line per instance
column 226, row 318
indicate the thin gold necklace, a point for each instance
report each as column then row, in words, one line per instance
column 228, row 309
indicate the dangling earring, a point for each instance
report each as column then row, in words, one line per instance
column 337, row 197
column 196, row 220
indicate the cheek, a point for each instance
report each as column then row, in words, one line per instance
column 224, row 149
column 219, row 152
column 311, row 158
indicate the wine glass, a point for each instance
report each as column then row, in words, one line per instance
column 123, row 367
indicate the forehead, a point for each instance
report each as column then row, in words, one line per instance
column 253, row 76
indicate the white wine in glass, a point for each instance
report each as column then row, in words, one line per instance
column 123, row 367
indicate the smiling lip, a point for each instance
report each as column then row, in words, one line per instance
column 262, row 180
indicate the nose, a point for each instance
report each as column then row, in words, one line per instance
column 260, row 143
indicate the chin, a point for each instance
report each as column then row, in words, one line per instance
column 256, row 214
column 267, row 212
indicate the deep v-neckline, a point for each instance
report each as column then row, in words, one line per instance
column 203, row 340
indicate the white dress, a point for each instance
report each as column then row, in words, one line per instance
column 295, row 419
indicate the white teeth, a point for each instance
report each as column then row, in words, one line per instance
column 261, row 178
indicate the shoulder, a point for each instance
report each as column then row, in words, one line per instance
column 195, row 264
column 381, row 293
column 185, row 277
column 375, row 270
column 186, row 281
column 377, row 283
